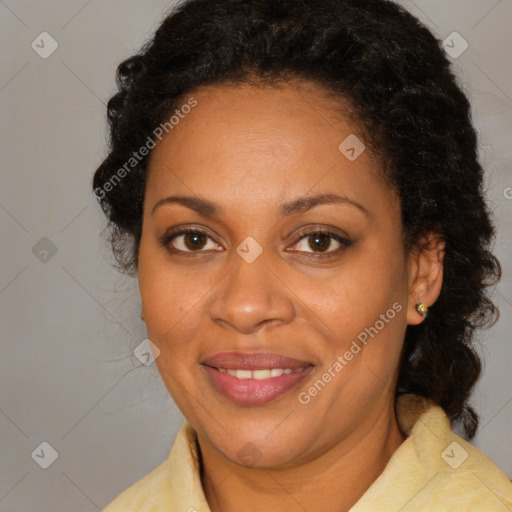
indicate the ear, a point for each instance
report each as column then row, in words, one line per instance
column 425, row 266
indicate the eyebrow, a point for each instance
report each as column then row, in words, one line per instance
column 209, row 209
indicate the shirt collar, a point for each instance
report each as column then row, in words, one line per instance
column 185, row 485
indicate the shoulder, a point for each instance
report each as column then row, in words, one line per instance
column 435, row 470
column 172, row 485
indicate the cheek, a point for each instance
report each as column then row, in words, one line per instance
column 353, row 297
column 170, row 295
column 171, row 301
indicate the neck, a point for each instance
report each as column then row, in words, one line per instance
column 335, row 480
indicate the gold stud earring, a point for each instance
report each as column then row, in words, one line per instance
column 422, row 309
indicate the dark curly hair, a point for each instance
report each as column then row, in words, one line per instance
column 395, row 76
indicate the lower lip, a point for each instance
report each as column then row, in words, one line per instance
column 252, row 391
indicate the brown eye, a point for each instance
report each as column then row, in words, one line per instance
column 319, row 241
column 194, row 241
column 189, row 241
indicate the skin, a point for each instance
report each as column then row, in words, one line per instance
column 249, row 149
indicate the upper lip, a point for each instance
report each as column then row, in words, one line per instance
column 253, row 361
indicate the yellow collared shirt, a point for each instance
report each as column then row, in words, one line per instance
column 433, row 470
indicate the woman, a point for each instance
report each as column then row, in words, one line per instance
column 296, row 186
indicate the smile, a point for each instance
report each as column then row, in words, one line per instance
column 258, row 374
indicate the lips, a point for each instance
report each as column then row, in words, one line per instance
column 253, row 361
column 254, row 378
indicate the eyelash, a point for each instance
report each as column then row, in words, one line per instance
column 167, row 238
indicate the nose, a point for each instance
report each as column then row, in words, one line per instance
column 251, row 296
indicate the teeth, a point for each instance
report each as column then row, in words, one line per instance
column 261, row 374
column 258, row 374
column 243, row 374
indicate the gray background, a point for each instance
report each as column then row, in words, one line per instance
column 69, row 322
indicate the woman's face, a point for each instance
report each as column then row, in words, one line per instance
column 277, row 340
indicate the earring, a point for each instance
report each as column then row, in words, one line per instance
column 422, row 309
column 142, row 317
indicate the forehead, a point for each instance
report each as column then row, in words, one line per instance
column 264, row 145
